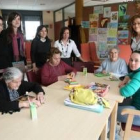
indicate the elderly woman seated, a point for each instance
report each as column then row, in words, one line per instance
column 113, row 64
column 12, row 88
column 55, row 69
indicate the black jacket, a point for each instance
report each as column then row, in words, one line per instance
column 10, row 106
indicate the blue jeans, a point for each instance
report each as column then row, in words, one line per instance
column 123, row 118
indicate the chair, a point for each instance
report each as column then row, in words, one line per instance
column 33, row 77
column 93, row 55
column 80, row 65
column 125, row 52
column 85, row 51
column 128, row 128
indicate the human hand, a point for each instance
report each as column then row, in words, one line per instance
column 121, row 84
column 35, row 69
column 72, row 74
column 104, row 72
column 40, row 97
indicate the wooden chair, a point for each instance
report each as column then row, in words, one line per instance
column 128, row 128
column 33, row 77
column 80, row 65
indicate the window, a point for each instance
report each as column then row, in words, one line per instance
column 30, row 29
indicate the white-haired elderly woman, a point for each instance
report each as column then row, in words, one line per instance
column 113, row 64
column 12, row 87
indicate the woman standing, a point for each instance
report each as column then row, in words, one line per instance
column 40, row 48
column 134, row 28
column 14, row 42
column 66, row 46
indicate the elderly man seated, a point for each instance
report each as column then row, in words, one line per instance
column 113, row 64
column 55, row 69
column 12, row 88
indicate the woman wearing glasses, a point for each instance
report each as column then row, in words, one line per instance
column 134, row 27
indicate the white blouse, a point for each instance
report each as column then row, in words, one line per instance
column 135, row 45
column 67, row 49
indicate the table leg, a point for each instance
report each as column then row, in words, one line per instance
column 113, row 122
column 104, row 132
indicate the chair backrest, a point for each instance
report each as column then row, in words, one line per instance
column 85, row 51
column 93, row 52
column 33, row 77
column 128, row 128
column 125, row 52
column 80, row 65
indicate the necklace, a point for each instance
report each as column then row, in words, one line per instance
column 65, row 51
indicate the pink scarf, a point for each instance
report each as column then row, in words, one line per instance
column 18, row 51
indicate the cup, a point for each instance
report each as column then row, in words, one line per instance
column 85, row 71
column 33, row 111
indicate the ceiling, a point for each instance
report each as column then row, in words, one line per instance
column 48, row 5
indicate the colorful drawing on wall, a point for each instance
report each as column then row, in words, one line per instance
column 122, row 41
column 107, row 11
column 92, row 37
column 93, row 24
column 85, row 24
column 123, row 26
column 112, row 25
column 114, row 16
column 123, row 37
column 111, row 40
column 102, row 49
column 122, row 9
column 93, row 17
column 93, row 30
column 102, row 34
column 123, row 34
column 112, row 29
column 98, row 9
column 104, row 22
column 124, row 19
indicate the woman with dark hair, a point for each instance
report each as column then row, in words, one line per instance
column 66, row 46
column 14, row 41
column 40, row 48
column 130, row 87
column 134, row 27
column 55, row 69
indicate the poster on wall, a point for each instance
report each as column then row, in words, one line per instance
column 112, row 29
column 102, row 49
column 107, row 12
column 98, row 9
column 114, row 16
column 93, row 19
column 123, row 26
column 92, row 37
column 85, row 24
column 102, row 34
column 123, row 37
column 93, row 30
column 112, row 40
column 122, row 9
column 104, row 22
